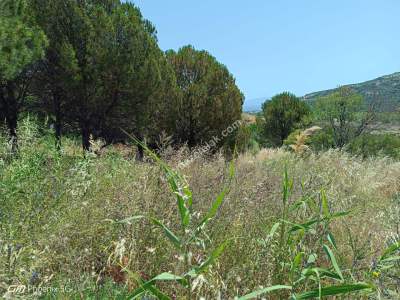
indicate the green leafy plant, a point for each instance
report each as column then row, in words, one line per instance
column 298, row 270
column 190, row 233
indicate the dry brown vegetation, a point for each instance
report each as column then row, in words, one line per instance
column 59, row 212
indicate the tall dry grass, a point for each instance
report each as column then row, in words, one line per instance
column 59, row 218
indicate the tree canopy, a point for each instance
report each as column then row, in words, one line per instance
column 344, row 114
column 22, row 44
column 282, row 114
column 94, row 67
column 210, row 100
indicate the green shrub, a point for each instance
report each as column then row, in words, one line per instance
column 369, row 145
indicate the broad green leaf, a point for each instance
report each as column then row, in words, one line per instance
column 167, row 276
column 183, row 199
column 210, row 214
column 127, row 220
column 302, row 202
column 304, row 226
column 297, row 260
column 149, row 286
column 130, row 220
column 324, row 204
column 331, row 240
column 322, row 273
column 285, row 187
column 273, row 230
column 170, row 277
column 168, row 233
column 210, row 260
column 333, row 260
column 390, row 250
column 334, row 290
column 312, row 258
column 214, row 207
column 176, row 182
column 260, row 292
column 390, row 259
column 340, row 214
column 218, row 201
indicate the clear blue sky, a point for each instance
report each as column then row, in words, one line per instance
column 272, row 46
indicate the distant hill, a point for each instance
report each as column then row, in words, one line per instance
column 253, row 105
column 385, row 89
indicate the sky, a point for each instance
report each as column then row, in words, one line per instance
column 272, row 46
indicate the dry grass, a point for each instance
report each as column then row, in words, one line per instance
column 56, row 211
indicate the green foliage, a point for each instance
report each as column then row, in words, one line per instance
column 190, row 235
column 368, row 145
column 383, row 89
column 340, row 112
column 105, row 69
column 392, row 117
column 295, row 272
column 284, row 113
column 211, row 101
column 243, row 139
column 99, row 69
column 22, row 42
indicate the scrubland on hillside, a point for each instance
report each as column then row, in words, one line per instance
column 60, row 212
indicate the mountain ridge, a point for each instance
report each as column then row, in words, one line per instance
column 385, row 89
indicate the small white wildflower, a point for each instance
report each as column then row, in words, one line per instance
column 179, row 257
column 150, row 250
column 198, row 282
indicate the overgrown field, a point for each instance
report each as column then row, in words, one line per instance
column 66, row 223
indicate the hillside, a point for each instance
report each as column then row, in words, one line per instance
column 385, row 89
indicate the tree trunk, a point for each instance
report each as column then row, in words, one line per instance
column 11, row 121
column 58, row 132
column 85, row 132
column 140, row 153
column 57, row 114
column 11, row 115
column 140, row 149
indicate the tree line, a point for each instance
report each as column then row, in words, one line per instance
column 342, row 117
column 94, row 66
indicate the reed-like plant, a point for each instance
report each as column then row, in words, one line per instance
column 298, row 272
column 189, row 236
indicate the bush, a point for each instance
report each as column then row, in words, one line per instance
column 369, row 145
column 284, row 113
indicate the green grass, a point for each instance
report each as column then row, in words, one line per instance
column 279, row 226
